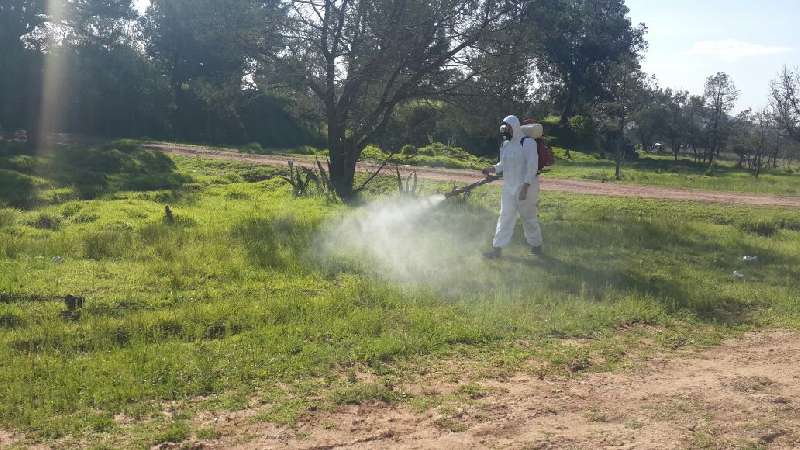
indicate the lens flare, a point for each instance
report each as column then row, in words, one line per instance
column 51, row 107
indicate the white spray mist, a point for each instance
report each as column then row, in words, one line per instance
column 409, row 240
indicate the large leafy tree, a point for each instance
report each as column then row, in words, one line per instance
column 580, row 42
column 45, row 39
column 18, row 87
column 362, row 59
column 204, row 48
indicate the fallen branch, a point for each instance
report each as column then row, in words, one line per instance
column 375, row 174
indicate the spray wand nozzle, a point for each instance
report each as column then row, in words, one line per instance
column 464, row 190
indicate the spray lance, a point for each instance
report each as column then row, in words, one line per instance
column 506, row 134
column 465, row 190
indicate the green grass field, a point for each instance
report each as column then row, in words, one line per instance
column 663, row 170
column 231, row 304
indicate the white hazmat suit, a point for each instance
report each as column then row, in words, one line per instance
column 519, row 164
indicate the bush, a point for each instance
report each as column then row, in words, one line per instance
column 17, row 190
column 124, row 146
column 373, row 152
column 441, row 155
column 26, row 164
column 253, row 147
column 408, row 150
column 45, row 221
column 583, row 127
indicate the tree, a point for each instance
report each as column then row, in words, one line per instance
column 362, row 59
column 626, row 92
column 721, row 95
column 765, row 129
column 21, row 62
column 579, row 41
column 785, row 93
column 696, row 122
column 650, row 116
column 60, row 29
column 676, row 123
column 204, row 48
column 742, row 138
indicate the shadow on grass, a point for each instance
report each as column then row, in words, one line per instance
column 273, row 242
column 118, row 166
column 90, row 171
column 17, row 190
column 679, row 263
column 672, row 264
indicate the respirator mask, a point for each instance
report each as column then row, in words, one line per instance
column 506, row 132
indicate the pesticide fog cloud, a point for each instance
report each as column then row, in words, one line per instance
column 410, row 240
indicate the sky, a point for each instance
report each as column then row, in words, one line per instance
column 690, row 40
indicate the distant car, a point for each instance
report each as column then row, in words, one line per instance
column 20, row 136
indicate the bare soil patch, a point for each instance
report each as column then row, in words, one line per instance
column 742, row 394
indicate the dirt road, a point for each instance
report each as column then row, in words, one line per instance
column 466, row 176
column 742, row 394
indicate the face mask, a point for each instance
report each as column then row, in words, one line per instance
column 506, row 133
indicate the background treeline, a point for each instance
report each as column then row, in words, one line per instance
column 284, row 73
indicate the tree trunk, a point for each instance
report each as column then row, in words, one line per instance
column 343, row 168
column 569, row 107
column 713, row 151
column 620, row 146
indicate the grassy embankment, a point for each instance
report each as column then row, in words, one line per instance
column 230, row 306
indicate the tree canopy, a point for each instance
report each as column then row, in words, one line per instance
column 348, row 73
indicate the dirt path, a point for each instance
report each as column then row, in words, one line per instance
column 742, row 394
column 467, row 176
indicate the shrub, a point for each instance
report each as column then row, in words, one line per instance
column 16, row 189
column 408, row 150
column 373, row 152
column 45, row 221
column 253, row 147
column 761, row 228
column 583, row 127
column 26, row 164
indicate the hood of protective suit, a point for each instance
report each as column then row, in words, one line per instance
column 516, row 127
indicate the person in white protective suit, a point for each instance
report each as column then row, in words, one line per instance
column 519, row 166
